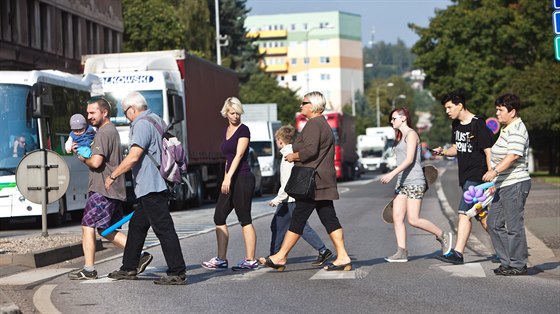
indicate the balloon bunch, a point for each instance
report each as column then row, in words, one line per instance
column 479, row 196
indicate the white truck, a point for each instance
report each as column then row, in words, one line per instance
column 264, row 144
column 370, row 150
column 185, row 91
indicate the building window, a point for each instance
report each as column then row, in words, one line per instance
column 325, row 77
column 306, row 60
column 325, row 60
column 293, row 61
column 294, row 78
column 282, row 78
column 292, row 27
column 305, row 25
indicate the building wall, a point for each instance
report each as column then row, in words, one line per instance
column 329, row 41
column 54, row 34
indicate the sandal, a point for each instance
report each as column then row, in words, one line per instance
column 333, row 267
column 269, row 263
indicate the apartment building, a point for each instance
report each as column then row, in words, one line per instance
column 312, row 51
column 54, row 34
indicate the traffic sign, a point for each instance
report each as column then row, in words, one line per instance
column 28, row 176
column 493, row 124
column 557, row 48
column 556, row 22
column 556, row 4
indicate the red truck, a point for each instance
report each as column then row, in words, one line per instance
column 344, row 131
column 184, row 90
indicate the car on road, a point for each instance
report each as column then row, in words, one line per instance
column 253, row 161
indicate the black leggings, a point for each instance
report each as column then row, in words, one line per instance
column 325, row 210
column 240, row 197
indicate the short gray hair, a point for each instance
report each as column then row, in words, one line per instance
column 317, row 100
column 134, row 99
column 233, row 103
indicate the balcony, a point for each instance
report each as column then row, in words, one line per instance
column 268, row 34
column 274, row 51
column 277, row 68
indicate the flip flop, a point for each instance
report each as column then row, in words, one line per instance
column 343, row 267
column 269, row 263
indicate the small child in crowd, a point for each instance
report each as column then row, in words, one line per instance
column 82, row 134
column 285, row 136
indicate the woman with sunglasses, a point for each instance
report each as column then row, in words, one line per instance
column 410, row 187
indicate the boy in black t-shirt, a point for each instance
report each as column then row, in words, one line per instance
column 471, row 142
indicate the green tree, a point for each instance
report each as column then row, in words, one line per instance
column 151, row 25
column 261, row 88
column 239, row 54
column 490, row 47
column 387, row 60
column 200, row 33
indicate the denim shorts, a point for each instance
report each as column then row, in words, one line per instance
column 411, row 191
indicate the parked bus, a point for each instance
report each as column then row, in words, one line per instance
column 44, row 100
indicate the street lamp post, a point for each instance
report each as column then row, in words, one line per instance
column 327, row 26
column 393, row 102
column 218, row 48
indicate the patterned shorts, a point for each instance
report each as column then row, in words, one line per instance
column 411, row 191
column 101, row 212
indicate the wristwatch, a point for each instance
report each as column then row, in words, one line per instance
column 496, row 171
column 112, row 178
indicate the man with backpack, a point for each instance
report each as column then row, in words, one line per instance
column 151, row 191
column 471, row 143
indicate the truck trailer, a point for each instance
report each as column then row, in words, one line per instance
column 184, row 90
column 344, row 131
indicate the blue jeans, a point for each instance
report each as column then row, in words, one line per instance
column 506, row 225
column 280, row 224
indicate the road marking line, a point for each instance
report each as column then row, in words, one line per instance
column 42, row 300
column 465, row 270
column 33, row 275
column 358, row 273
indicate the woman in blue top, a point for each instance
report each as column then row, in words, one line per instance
column 410, row 188
column 236, row 191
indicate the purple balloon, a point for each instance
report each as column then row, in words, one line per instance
column 478, row 192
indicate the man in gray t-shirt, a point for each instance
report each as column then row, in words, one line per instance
column 151, row 191
column 103, row 207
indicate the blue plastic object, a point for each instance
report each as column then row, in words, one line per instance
column 117, row 224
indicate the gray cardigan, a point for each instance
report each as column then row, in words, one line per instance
column 315, row 145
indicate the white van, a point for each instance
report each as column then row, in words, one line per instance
column 264, row 144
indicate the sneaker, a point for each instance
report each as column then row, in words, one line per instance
column 501, row 269
column 322, row 258
column 247, row 264
column 452, row 257
column 123, row 274
column 514, row 271
column 174, row 280
column 401, row 256
column 145, row 260
column 446, row 241
column 216, row 264
column 83, row 274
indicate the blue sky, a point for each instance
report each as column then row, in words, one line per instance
column 389, row 18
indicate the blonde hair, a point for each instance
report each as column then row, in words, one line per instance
column 317, row 100
column 286, row 133
column 233, row 103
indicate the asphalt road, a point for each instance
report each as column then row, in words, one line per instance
column 424, row 284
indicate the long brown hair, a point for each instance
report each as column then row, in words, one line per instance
column 401, row 111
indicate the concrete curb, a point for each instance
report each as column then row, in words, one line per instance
column 48, row 256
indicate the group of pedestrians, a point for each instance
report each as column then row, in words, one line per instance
column 504, row 163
